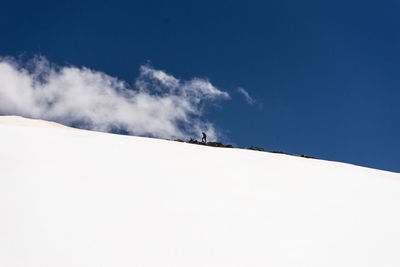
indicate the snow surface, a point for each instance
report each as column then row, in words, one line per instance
column 71, row 197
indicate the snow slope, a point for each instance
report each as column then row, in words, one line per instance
column 71, row 197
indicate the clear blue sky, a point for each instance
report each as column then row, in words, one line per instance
column 325, row 74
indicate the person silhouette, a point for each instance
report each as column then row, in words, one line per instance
column 204, row 139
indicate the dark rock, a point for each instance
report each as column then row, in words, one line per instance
column 307, row 156
column 256, row 148
column 215, row 144
column 302, row 155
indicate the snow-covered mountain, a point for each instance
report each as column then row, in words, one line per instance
column 71, row 197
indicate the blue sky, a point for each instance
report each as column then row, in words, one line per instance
column 324, row 74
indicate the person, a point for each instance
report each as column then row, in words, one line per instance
column 204, row 139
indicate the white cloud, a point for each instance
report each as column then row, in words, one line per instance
column 246, row 95
column 159, row 105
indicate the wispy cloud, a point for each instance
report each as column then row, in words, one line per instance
column 158, row 105
column 246, row 95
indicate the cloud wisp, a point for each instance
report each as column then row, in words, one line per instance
column 158, row 105
column 247, row 97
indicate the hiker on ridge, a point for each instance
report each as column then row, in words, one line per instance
column 204, row 139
